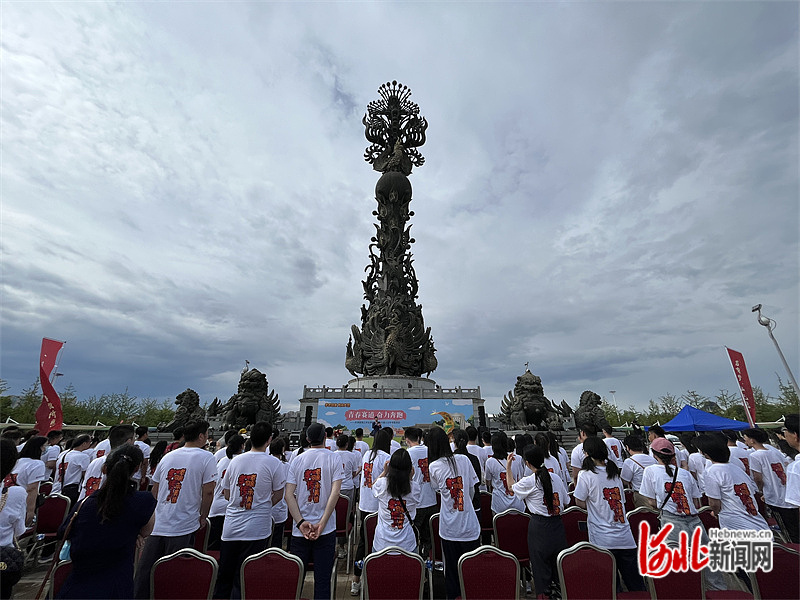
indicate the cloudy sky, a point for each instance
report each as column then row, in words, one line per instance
column 608, row 189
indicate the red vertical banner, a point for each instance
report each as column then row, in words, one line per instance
column 49, row 415
column 745, row 389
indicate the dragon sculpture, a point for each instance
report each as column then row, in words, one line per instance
column 393, row 339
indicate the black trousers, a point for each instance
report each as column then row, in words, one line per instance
column 452, row 552
column 322, row 552
column 278, row 530
column 422, row 521
column 215, row 531
column 789, row 516
column 628, row 568
column 231, row 557
column 546, row 538
column 155, row 547
column 362, row 543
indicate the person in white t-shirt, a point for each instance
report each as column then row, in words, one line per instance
column 768, row 468
column 219, row 503
column 330, row 443
column 545, row 495
column 503, row 497
column 312, row 491
column 633, row 467
column 394, row 445
column 222, row 444
column 578, row 455
column 70, row 468
column 183, row 485
column 731, row 493
column 118, row 435
column 599, row 491
column 371, row 467
column 791, row 433
column 614, row 445
column 253, row 484
column 426, row 507
column 558, row 451
column 28, row 473
column 102, row 448
column 351, row 465
column 280, row 511
column 740, row 455
column 453, row 476
column 143, row 443
column 474, row 449
column 361, row 445
column 52, row 452
column 398, row 496
column 12, row 515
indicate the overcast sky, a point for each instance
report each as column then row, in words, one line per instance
column 608, row 189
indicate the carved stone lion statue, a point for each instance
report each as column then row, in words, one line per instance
column 528, row 408
column 589, row 411
column 251, row 403
column 188, row 410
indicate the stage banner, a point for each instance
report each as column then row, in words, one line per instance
column 49, row 415
column 745, row 389
column 395, row 413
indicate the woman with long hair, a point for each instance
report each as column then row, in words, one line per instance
column 542, row 442
column 497, row 482
column 28, row 473
column 545, row 495
column 12, row 514
column 398, row 497
column 106, row 529
column 156, row 454
column 460, row 441
column 599, row 491
column 560, row 453
column 454, row 478
column 371, row 467
column 280, row 512
column 216, row 515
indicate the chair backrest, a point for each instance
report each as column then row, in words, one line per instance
column 487, row 572
column 629, row 502
column 342, row 515
column 779, row 583
column 486, row 512
column 708, row 518
column 272, row 575
column 370, row 522
column 46, row 487
column 677, row 585
column 575, row 525
column 436, row 539
column 640, row 514
column 59, row 576
column 201, row 537
column 52, row 513
column 393, row 573
column 587, row 572
column 184, row 575
column 511, row 532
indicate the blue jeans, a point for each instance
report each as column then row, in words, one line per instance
column 321, row 552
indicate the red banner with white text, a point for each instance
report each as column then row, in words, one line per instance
column 49, row 415
column 745, row 389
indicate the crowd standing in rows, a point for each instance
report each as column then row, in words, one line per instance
column 129, row 495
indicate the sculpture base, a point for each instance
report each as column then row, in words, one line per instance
column 392, row 382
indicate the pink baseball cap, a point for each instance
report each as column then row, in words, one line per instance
column 663, row 445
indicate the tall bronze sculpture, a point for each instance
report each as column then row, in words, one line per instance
column 393, row 339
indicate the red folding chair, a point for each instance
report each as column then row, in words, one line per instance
column 273, row 574
column 184, row 575
column 511, row 534
column 49, row 518
column 779, row 583
column 58, row 577
column 393, row 573
column 201, row 537
column 370, row 522
column 676, row 586
column 46, row 488
column 487, row 528
column 487, row 573
column 708, row 518
column 587, row 572
column 640, row 514
column 344, row 528
column 575, row 525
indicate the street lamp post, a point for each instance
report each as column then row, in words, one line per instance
column 770, row 325
column 614, row 398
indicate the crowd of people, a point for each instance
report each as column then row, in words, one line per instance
column 133, row 502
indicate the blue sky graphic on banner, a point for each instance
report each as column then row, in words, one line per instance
column 392, row 412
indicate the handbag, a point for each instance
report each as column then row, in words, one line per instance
column 669, row 494
column 12, row 559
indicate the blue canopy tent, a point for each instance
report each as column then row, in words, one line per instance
column 694, row 419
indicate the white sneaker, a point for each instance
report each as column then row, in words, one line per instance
column 355, row 588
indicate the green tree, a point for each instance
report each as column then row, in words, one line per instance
column 670, row 406
column 694, row 399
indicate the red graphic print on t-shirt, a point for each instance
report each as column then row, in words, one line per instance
column 778, row 469
column 743, row 491
column 397, row 513
column 509, row 492
column 174, row 479
column 313, row 479
column 556, row 505
column 678, row 496
column 612, row 496
column 246, row 484
column 10, row 480
column 746, row 463
column 455, row 486
column 615, row 450
column 100, row 453
column 92, row 485
column 422, row 463
column 62, row 470
column 368, row 475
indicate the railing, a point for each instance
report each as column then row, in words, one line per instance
column 343, row 392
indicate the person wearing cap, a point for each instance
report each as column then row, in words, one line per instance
column 312, row 490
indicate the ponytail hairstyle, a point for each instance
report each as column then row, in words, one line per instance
column 554, row 447
column 119, row 466
column 665, row 459
column 542, row 441
column 399, row 475
column 460, row 439
column 596, row 449
column 276, row 449
column 499, row 446
column 382, row 441
column 439, row 447
column 235, row 445
column 535, row 455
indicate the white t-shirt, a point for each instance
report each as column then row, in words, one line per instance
column 771, row 463
column 633, row 468
column 393, row 528
column 25, row 472
column 280, row 511
column 697, row 465
column 563, row 459
column 145, row 448
column 605, row 503
column 12, row 517
column 313, row 472
column 93, row 478
column 503, row 496
column 419, row 463
column 394, row 447
column 362, row 447
column 740, row 458
column 70, row 467
column 370, row 471
column 350, row 465
column 219, row 504
column 743, row 446
column 656, row 483
column 251, row 478
column 614, row 450
column 358, row 457
column 102, row 449
column 221, row 453
column 457, row 519
column 330, row 444
column 576, row 459
column 51, row 453
column 736, row 491
column 180, row 476
column 793, row 482
column 530, row 490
